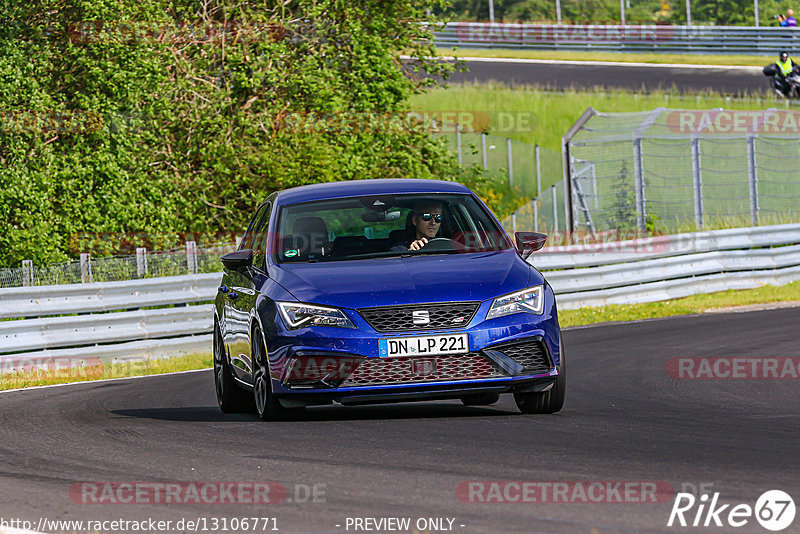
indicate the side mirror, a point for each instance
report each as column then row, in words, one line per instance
column 240, row 260
column 529, row 242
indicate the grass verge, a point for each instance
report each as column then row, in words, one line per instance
column 621, row 57
column 696, row 304
column 540, row 116
column 58, row 374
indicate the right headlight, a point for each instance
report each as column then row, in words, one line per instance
column 529, row 300
column 299, row 315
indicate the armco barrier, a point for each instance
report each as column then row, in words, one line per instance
column 617, row 37
column 112, row 326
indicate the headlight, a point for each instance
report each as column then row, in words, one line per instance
column 299, row 315
column 529, row 300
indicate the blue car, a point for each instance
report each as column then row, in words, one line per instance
column 378, row 291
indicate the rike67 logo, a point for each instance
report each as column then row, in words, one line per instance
column 774, row 510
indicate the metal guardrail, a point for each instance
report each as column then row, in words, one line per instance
column 681, row 265
column 616, row 37
column 580, row 275
column 106, row 321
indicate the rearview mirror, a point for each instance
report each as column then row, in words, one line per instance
column 380, row 216
column 529, row 242
column 240, row 260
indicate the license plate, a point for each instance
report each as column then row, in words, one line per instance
column 423, row 345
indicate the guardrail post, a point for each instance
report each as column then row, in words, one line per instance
column 697, row 182
column 483, row 150
column 141, row 261
column 458, row 142
column 27, row 272
column 86, row 268
column 638, row 180
column 510, row 164
column 752, row 174
column 538, row 191
column 191, row 256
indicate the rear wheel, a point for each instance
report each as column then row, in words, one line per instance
column 267, row 405
column 230, row 397
column 480, row 399
column 549, row 401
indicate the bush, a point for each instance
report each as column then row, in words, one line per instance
column 161, row 118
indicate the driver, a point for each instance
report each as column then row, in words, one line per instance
column 427, row 220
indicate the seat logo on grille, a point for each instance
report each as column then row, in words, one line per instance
column 421, row 317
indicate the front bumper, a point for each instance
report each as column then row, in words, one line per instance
column 318, row 365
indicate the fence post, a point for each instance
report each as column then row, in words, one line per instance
column 86, row 268
column 458, row 142
column 483, row 149
column 697, row 182
column 638, row 180
column 510, row 163
column 191, row 256
column 538, row 191
column 752, row 174
column 238, row 241
column 555, row 209
column 141, row 261
column 433, row 123
column 27, row 272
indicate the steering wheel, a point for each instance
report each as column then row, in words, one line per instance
column 438, row 243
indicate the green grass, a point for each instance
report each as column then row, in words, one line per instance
column 626, row 57
column 48, row 377
column 539, row 116
column 696, row 304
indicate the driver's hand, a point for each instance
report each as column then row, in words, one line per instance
column 418, row 244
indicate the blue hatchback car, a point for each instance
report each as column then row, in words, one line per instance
column 380, row 291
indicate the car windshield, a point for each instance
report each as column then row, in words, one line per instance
column 381, row 226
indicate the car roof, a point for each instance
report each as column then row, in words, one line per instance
column 353, row 188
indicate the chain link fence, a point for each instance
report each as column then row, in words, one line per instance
column 189, row 259
column 531, row 171
column 668, row 171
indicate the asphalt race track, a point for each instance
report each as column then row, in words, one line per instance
column 625, row 419
column 728, row 81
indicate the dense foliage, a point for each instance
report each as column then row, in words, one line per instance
column 717, row 12
column 157, row 118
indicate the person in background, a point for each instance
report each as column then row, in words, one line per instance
column 787, row 20
column 783, row 68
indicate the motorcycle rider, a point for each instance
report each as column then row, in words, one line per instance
column 784, row 67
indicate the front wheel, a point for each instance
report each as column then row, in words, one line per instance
column 267, row 406
column 230, row 397
column 549, row 401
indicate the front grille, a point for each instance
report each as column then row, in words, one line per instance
column 401, row 318
column 409, row 370
column 531, row 355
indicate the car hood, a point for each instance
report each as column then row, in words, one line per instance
column 406, row 280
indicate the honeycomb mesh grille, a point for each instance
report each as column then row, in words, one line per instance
column 409, row 370
column 401, row 318
column 531, row 355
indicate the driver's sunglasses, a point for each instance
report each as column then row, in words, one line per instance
column 428, row 216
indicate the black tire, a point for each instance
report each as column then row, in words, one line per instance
column 268, row 407
column 549, row 401
column 230, row 397
column 480, row 399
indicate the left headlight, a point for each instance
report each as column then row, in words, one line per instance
column 529, row 300
column 299, row 315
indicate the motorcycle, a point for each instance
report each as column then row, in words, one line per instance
column 786, row 87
